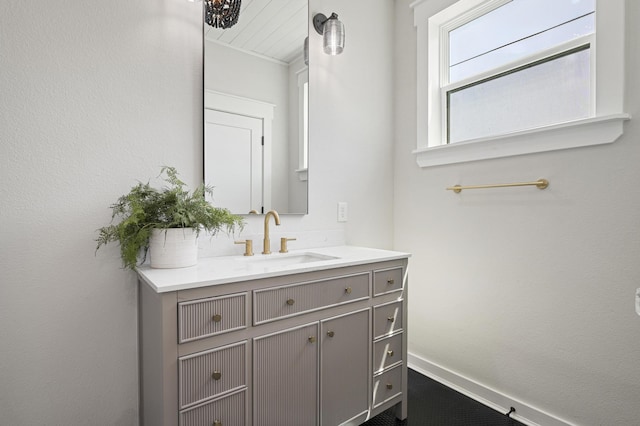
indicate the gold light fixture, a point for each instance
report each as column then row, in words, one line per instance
column 222, row 13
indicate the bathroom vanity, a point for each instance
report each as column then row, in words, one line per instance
column 314, row 337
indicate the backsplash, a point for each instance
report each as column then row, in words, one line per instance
column 223, row 245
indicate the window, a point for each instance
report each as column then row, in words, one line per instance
column 507, row 77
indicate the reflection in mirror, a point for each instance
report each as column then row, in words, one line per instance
column 256, row 109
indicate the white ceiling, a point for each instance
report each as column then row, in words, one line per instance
column 272, row 28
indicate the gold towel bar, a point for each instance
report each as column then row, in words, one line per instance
column 540, row 183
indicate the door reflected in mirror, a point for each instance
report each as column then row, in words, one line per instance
column 256, row 109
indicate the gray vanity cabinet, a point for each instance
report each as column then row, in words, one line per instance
column 285, row 377
column 344, row 367
column 285, row 370
column 319, row 348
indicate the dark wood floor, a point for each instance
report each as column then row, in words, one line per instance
column 433, row 404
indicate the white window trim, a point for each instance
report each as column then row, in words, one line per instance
column 303, row 156
column 606, row 126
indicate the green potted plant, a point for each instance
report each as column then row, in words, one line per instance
column 165, row 223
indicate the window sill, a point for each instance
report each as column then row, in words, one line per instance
column 575, row 134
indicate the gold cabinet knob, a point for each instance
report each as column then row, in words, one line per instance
column 216, row 375
column 216, row 318
column 390, row 353
column 390, row 281
column 290, row 302
column 330, row 333
column 390, row 319
column 312, row 339
column 348, row 290
column 217, row 423
column 389, row 386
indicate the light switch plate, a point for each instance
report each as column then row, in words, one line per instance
column 343, row 213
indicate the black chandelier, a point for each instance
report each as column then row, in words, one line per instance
column 222, row 13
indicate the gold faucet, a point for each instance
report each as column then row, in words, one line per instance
column 267, row 243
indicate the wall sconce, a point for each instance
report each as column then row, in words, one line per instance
column 332, row 31
column 222, row 13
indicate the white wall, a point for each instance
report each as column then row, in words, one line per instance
column 98, row 95
column 529, row 293
column 351, row 126
column 95, row 95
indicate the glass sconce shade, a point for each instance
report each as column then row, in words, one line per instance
column 222, row 13
column 332, row 31
column 333, row 36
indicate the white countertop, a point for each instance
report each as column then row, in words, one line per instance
column 229, row 269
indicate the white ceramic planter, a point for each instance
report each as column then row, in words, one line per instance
column 173, row 248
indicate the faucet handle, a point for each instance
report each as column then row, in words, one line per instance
column 283, row 244
column 248, row 247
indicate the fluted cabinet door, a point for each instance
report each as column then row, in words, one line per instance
column 344, row 367
column 285, row 371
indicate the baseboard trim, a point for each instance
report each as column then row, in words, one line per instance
column 493, row 399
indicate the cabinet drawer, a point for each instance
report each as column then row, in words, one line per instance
column 387, row 352
column 387, row 319
column 228, row 411
column 387, row 281
column 280, row 302
column 202, row 318
column 387, row 386
column 205, row 375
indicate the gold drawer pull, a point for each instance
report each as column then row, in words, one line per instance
column 312, row 339
column 217, row 423
column 390, row 281
column 390, row 353
column 389, row 386
column 290, row 302
column 216, row 318
column 390, row 319
column 348, row 290
column 216, row 375
column 330, row 333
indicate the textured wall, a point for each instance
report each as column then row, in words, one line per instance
column 94, row 96
column 352, row 121
column 97, row 95
column 528, row 292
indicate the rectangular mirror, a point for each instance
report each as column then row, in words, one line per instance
column 256, row 109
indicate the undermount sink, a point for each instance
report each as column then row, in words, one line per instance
column 274, row 260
